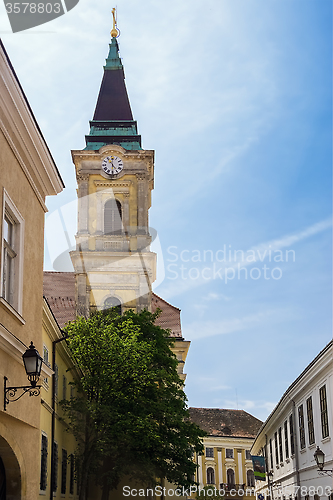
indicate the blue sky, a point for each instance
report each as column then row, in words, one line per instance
column 235, row 97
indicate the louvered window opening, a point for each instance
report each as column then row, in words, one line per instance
column 71, row 474
column 43, row 464
column 54, row 479
column 112, row 217
column 63, row 472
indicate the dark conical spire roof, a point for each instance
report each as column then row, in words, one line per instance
column 113, row 103
column 113, row 120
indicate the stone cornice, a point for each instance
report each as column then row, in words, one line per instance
column 112, row 184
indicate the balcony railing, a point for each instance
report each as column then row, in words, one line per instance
column 227, row 487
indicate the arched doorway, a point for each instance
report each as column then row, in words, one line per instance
column 2, row 481
column 10, row 473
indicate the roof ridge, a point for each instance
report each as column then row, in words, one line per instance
column 166, row 302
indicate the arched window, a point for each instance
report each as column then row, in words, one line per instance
column 210, row 475
column 114, row 303
column 112, row 217
column 230, row 477
column 250, row 478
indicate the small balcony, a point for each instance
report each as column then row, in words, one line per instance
column 228, row 487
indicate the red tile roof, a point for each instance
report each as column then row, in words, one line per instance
column 59, row 291
column 169, row 317
column 225, row 423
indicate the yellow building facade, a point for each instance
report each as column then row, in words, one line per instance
column 27, row 175
column 57, row 470
column 226, row 463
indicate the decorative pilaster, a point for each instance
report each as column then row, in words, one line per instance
column 240, row 466
column 83, row 203
column 219, row 465
column 126, row 214
column 200, row 471
column 142, row 204
column 99, row 213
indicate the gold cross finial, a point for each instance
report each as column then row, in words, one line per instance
column 114, row 31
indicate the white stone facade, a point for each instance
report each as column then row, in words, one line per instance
column 301, row 421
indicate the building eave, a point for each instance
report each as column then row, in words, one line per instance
column 27, row 141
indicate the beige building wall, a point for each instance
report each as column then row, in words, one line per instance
column 64, row 376
column 27, row 175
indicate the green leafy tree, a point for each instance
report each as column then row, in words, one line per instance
column 129, row 416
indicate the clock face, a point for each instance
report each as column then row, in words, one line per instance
column 112, row 165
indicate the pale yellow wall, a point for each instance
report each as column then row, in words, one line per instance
column 63, row 438
column 20, row 423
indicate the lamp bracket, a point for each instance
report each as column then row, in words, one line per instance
column 10, row 393
column 325, row 472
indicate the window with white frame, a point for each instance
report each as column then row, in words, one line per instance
column 210, row 452
column 250, row 478
column 12, row 254
column 64, row 387
column 301, row 427
column 309, row 412
column 231, row 478
column 46, row 360
column 280, row 445
column 286, row 444
column 229, row 453
column 291, row 430
column 323, row 412
column 247, row 455
column 56, row 380
column 210, row 475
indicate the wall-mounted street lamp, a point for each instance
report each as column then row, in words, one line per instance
column 320, row 461
column 33, row 365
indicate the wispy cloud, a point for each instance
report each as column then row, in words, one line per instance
column 205, row 329
column 258, row 254
column 250, row 405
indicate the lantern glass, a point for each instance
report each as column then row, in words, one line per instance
column 32, row 361
column 319, row 457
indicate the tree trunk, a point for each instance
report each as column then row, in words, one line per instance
column 105, row 490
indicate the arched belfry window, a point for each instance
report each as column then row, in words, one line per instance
column 112, row 217
column 114, row 303
column 210, row 475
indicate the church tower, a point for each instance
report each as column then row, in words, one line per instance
column 112, row 261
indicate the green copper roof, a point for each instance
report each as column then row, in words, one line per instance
column 113, row 61
column 121, row 132
column 113, row 120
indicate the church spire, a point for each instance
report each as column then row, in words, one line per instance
column 113, row 120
